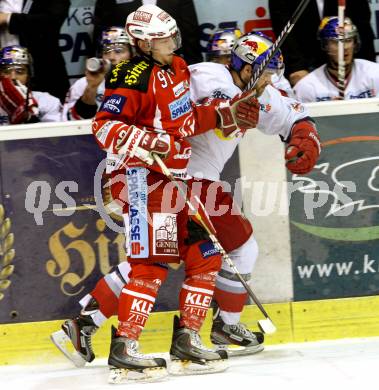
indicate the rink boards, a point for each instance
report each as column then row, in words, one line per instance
column 29, row 343
column 307, row 265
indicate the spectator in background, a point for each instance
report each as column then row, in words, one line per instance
column 86, row 94
column 301, row 51
column 361, row 76
column 18, row 104
column 36, row 25
column 114, row 12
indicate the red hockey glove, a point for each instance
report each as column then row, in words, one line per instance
column 15, row 99
column 238, row 114
column 304, row 148
column 135, row 142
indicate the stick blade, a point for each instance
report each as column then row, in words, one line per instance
column 266, row 326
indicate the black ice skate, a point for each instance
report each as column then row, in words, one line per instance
column 77, row 333
column 128, row 365
column 190, row 356
column 237, row 340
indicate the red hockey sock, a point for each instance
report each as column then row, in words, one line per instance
column 230, row 302
column 194, row 301
column 202, row 264
column 137, row 299
column 105, row 297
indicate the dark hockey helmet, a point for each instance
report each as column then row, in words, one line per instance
column 222, row 42
column 14, row 55
column 114, row 38
column 328, row 30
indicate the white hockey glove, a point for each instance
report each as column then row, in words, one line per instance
column 17, row 101
column 238, row 114
column 135, row 142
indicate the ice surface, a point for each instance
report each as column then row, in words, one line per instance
column 338, row 365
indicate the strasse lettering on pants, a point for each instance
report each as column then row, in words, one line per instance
column 138, row 225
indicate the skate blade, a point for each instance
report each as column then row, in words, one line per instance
column 234, row 351
column 187, row 367
column 63, row 343
column 124, row 375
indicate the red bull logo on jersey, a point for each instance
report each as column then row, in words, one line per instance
column 265, row 107
column 298, row 107
column 138, row 225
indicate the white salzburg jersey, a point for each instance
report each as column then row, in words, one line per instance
column 318, row 86
column 50, row 109
column 75, row 93
column 283, row 84
column 211, row 150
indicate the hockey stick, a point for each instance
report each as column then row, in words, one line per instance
column 341, row 49
column 278, row 43
column 265, row 325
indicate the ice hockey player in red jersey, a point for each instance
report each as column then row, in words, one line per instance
column 211, row 150
column 147, row 110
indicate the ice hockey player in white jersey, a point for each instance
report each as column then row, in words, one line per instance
column 18, row 104
column 86, row 94
column 361, row 76
column 278, row 115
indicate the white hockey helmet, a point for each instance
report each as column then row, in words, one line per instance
column 150, row 22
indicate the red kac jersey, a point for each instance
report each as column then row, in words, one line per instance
column 153, row 98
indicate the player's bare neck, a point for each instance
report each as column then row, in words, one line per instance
column 333, row 72
column 237, row 80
